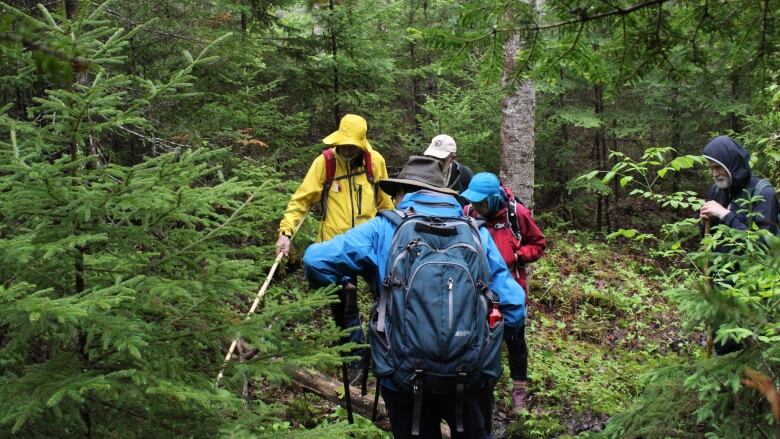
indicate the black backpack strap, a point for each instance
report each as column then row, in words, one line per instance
column 459, row 390
column 454, row 177
column 417, row 408
column 511, row 217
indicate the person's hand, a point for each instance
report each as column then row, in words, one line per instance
column 713, row 209
column 283, row 245
column 348, row 287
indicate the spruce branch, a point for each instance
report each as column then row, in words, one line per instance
column 208, row 235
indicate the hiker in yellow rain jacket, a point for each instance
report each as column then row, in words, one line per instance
column 351, row 200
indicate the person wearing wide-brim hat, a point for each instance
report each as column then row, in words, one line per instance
column 349, row 200
column 364, row 251
column 419, row 173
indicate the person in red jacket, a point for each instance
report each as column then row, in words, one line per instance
column 520, row 241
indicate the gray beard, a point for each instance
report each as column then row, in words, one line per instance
column 723, row 182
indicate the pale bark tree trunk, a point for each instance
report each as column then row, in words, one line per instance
column 518, row 118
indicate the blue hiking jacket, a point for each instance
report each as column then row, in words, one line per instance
column 364, row 251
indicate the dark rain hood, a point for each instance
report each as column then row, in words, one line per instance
column 732, row 156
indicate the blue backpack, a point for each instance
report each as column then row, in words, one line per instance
column 429, row 331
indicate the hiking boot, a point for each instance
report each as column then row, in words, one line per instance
column 519, row 395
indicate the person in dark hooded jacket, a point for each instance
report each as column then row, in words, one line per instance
column 727, row 200
column 734, row 184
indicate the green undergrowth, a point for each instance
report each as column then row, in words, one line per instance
column 597, row 323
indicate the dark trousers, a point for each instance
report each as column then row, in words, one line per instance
column 518, row 352
column 726, row 348
column 477, row 412
column 346, row 314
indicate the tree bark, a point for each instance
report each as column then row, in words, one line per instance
column 416, row 98
column 334, row 52
column 518, row 119
column 331, row 389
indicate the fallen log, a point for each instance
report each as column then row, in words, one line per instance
column 332, row 390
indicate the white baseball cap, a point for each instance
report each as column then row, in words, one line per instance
column 441, row 147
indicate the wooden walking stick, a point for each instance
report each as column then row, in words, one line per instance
column 258, row 297
column 708, row 329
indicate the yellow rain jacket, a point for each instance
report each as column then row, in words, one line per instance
column 351, row 201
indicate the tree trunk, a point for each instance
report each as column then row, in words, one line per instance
column 600, row 143
column 416, row 98
column 518, row 116
column 733, row 118
column 334, row 52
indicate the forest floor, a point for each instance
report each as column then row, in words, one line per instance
column 597, row 322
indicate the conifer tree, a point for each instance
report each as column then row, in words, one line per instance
column 122, row 284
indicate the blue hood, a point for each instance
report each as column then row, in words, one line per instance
column 734, row 157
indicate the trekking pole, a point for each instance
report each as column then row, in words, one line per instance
column 347, row 394
column 258, row 297
column 375, row 410
column 366, row 369
column 708, row 335
column 344, row 371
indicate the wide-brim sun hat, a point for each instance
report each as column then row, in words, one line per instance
column 441, row 147
column 482, row 185
column 352, row 131
column 419, row 172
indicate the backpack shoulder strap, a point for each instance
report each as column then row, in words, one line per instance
column 760, row 186
column 395, row 216
column 330, row 166
column 511, row 216
column 330, row 173
column 476, row 224
column 369, row 166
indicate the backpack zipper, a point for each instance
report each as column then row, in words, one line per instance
column 449, row 287
column 414, row 273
